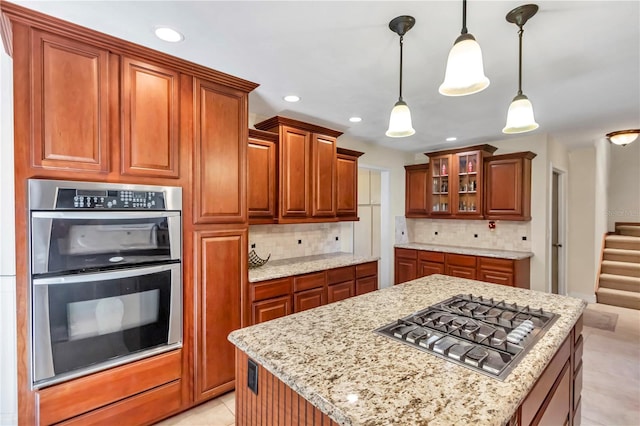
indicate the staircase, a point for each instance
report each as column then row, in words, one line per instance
column 619, row 280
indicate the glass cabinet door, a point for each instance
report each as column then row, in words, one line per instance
column 468, row 198
column 440, row 185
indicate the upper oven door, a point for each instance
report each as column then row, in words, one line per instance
column 74, row 241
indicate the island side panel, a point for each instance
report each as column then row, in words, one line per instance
column 275, row 404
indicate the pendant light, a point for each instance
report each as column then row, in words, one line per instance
column 465, row 71
column 400, row 119
column 520, row 116
column 623, row 137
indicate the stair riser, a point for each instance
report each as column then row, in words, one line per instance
column 620, row 270
column 620, row 285
column 631, row 231
column 624, row 245
column 618, row 300
column 616, row 257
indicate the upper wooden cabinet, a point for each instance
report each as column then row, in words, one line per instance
column 306, row 170
column 150, row 119
column 456, row 181
column 69, row 103
column 220, row 171
column 416, row 196
column 262, row 172
column 508, row 186
column 347, row 184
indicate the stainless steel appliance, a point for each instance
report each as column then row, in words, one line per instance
column 106, row 286
column 479, row 333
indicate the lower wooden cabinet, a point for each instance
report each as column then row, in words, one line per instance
column 309, row 299
column 269, row 309
column 426, row 268
column 406, row 265
column 460, row 272
column 366, row 285
column 337, row 292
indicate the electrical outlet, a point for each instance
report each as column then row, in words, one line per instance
column 337, row 239
column 252, row 375
column 524, row 238
column 475, row 235
column 299, row 241
column 253, row 246
column 435, row 233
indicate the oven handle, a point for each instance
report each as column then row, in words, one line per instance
column 110, row 275
column 108, row 215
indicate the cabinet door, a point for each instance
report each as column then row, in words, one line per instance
column 269, row 309
column 559, row 402
column 347, row 186
column 439, row 171
column 405, row 270
column 340, row 291
column 426, row 268
column 323, row 155
column 220, row 270
column 504, row 187
column 261, row 159
column 70, row 104
column 366, row 285
column 150, row 120
column 416, row 191
column 295, row 150
column 308, row 299
column 220, row 154
column 496, row 277
column 468, row 187
column 461, row 272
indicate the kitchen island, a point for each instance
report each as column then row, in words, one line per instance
column 328, row 364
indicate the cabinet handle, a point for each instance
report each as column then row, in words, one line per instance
column 556, row 245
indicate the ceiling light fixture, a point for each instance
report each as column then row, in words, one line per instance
column 465, row 72
column 520, row 116
column 291, row 98
column 400, row 119
column 623, row 137
column 451, row 139
column 168, row 34
column 355, row 119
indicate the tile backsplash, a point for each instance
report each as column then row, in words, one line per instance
column 507, row 235
column 295, row 240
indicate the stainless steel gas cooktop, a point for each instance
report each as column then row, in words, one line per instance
column 483, row 334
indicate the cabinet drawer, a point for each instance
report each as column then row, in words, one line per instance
column 308, row 281
column 366, row 285
column 577, row 386
column 339, row 275
column 366, row 269
column 461, row 260
column 558, row 408
column 461, row 272
column 406, row 253
column 268, row 289
column 578, row 351
column 431, row 256
column 340, row 291
column 577, row 329
column 429, row 268
column 495, row 264
column 496, row 277
column 270, row 309
column 309, row 299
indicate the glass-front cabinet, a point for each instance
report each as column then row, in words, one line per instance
column 440, row 193
column 469, row 193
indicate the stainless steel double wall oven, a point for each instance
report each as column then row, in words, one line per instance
column 106, row 281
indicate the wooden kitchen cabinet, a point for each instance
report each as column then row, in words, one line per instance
column 366, row 278
column 347, row 184
column 150, row 119
column 430, row 262
column 514, row 273
column 460, row 265
column 406, row 265
column 306, row 170
column 508, row 186
column 70, row 85
column 220, row 163
column 269, row 309
column 309, row 299
column 270, row 299
column 341, row 291
column 261, row 176
column 417, row 194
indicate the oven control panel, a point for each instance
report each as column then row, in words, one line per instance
column 109, row 199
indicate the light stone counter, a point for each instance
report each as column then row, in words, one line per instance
column 501, row 254
column 331, row 356
column 304, row 265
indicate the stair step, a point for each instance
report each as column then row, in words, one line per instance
column 620, row 255
column 623, row 242
column 620, row 268
column 620, row 282
column 630, row 230
column 624, row 299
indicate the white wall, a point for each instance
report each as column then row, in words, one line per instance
column 8, row 367
column 624, row 185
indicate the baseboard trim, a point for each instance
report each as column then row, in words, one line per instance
column 590, row 298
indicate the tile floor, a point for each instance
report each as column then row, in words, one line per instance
column 611, row 381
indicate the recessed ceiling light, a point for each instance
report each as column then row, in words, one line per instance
column 168, row 34
column 291, row 98
column 451, row 139
column 355, row 119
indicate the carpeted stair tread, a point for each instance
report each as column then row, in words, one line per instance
column 621, row 255
column 629, row 230
column 620, row 268
column 625, row 299
column 623, row 242
column 620, row 282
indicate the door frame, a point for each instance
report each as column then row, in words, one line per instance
column 562, row 230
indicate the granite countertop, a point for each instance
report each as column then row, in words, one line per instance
column 501, row 254
column 304, row 265
column 331, row 356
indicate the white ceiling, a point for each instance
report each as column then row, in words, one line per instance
column 581, row 66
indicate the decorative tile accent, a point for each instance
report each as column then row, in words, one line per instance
column 281, row 241
column 462, row 233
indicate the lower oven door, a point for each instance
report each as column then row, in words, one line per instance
column 90, row 322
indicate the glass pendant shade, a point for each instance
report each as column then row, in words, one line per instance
column 465, row 70
column 623, row 137
column 520, row 117
column 400, row 121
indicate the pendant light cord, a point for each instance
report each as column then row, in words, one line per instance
column 464, row 17
column 520, row 61
column 401, row 43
